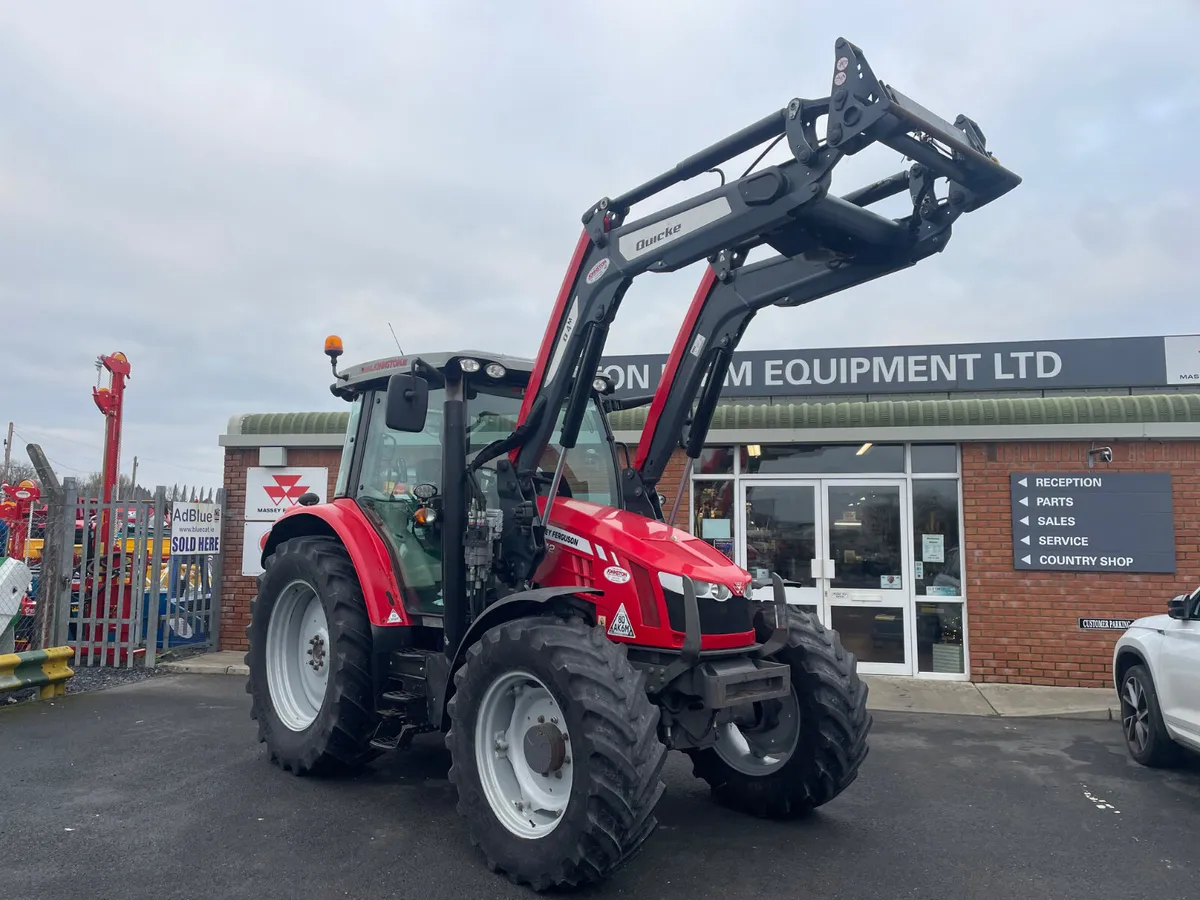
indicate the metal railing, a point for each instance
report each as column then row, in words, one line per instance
column 116, row 593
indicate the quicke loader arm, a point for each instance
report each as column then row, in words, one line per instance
column 812, row 264
column 828, row 242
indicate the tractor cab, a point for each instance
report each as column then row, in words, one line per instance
column 395, row 475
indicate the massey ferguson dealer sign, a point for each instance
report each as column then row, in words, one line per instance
column 1028, row 365
column 270, row 492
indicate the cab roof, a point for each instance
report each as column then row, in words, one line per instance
column 377, row 369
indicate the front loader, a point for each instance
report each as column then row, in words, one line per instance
column 493, row 567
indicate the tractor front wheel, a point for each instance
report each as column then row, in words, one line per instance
column 310, row 659
column 555, row 753
column 782, row 758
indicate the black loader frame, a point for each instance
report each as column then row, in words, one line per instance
column 826, row 244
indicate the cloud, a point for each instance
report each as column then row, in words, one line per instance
column 212, row 187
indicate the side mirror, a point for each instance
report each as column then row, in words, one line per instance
column 407, row 403
column 1179, row 607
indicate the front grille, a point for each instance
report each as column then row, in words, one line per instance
column 730, row 616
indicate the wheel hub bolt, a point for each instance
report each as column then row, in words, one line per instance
column 316, row 652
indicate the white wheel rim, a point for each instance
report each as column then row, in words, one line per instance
column 758, row 751
column 528, row 803
column 297, row 652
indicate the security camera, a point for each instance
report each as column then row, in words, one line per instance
column 1104, row 454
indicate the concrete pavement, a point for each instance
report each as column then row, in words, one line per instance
column 161, row 791
column 887, row 693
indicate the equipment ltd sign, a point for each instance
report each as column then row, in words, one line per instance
column 270, row 492
column 1032, row 365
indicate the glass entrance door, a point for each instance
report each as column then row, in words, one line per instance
column 781, row 524
column 866, row 572
column 840, row 546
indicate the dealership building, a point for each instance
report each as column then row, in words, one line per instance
column 987, row 512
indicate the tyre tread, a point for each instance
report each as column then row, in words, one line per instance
column 620, row 730
column 835, row 725
column 343, row 740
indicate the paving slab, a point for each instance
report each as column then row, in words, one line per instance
column 223, row 662
column 898, row 694
column 1045, row 700
column 886, row 693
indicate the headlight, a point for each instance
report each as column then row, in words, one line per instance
column 495, row 370
column 671, row 582
column 468, row 365
column 749, row 592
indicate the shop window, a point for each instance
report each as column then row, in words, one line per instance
column 864, row 536
column 714, row 461
column 940, row 638
column 939, row 459
column 873, row 635
column 822, row 459
column 781, row 533
column 712, row 514
column 936, row 542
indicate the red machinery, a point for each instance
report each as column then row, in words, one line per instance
column 492, row 565
column 113, row 590
column 16, row 511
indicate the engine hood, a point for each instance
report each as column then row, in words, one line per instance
column 600, row 530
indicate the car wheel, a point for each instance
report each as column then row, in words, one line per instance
column 1145, row 734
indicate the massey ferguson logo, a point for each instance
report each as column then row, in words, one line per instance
column 1190, row 376
column 668, row 232
column 286, row 487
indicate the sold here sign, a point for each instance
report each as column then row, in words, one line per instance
column 195, row 528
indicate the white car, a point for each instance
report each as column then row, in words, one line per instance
column 1156, row 671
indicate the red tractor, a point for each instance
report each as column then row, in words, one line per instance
column 564, row 646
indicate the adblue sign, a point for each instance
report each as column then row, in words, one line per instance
column 1034, row 365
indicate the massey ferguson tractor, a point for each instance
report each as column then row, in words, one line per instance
column 492, row 566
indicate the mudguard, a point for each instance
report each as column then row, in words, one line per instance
column 514, row 606
column 372, row 561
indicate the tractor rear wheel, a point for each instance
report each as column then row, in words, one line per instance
column 785, row 757
column 310, row 659
column 555, row 752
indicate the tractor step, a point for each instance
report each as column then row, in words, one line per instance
column 401, row 697
column 400, row 740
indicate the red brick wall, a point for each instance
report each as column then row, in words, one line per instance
column 238, row 589
column 1022, row 626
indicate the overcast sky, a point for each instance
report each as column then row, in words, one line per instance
column 212, row 187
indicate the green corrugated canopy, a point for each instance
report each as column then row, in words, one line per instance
column 734, row 415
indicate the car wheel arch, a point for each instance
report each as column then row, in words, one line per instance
column 1127, row 658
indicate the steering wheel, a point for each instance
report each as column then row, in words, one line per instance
column 392, row 466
